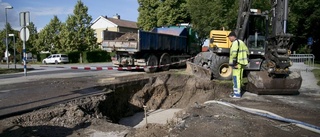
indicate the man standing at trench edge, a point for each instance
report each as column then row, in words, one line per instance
column 238, row 59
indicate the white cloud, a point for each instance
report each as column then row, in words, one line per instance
column 49, row 11
column 11, row 15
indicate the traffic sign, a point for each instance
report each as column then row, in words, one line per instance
column 24, row 18
column 22, row 37
column 310, row 41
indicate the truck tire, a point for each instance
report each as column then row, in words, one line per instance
column 151, row 61
column 220, row 67
column 165, row 60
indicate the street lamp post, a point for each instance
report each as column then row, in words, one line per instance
column 7, row 48
column 14, row 50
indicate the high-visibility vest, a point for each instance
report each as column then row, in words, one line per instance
column 239, row 53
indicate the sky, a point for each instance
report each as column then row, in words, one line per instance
column 42, row 11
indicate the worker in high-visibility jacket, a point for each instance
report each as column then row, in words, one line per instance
column 238, row 59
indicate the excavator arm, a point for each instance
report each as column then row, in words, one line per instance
column 274, row 77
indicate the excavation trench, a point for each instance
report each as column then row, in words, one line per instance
column 127, row 98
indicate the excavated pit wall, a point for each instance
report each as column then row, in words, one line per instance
column 125, row 99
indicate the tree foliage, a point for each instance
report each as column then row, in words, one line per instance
column 304, row 22
column 171, row 12
column 31, row 44
column 207, row 15
column 157, row 13
column 77, row 30
column 49, row 36
column 10, row 40
column 147, row 14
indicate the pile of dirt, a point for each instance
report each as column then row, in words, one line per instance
column 130, row 36
column 59, row 120
column 178, row 91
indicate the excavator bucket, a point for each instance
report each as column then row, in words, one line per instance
column 260, row 83
column 198, row 71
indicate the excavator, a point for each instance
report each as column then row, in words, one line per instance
column 268, row 69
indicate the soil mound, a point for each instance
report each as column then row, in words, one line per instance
column 177, row 91
column 130, row 36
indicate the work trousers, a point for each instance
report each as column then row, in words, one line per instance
column 237, row 74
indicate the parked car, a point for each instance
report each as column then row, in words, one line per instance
column 56, row 58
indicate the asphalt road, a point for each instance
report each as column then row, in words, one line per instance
column 57, row 71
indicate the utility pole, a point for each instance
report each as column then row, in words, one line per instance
column 6, row 26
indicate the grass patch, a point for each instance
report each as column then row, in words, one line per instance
column 11, row 70
column 223, row 81
column 317, row 65
column 316, row 73
column 8, row 71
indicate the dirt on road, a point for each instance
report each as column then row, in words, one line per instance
column 99, row 115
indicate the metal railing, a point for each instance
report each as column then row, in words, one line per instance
column 308, row 59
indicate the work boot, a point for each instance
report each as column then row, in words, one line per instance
column 232, row 95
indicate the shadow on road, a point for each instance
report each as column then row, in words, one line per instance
column 41, row 131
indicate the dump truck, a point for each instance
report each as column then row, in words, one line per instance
column 269, row 62
column 152, row 49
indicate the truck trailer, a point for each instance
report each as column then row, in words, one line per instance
column 159, row 47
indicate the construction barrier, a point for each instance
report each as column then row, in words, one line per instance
column 121, row 68
column 303, row 58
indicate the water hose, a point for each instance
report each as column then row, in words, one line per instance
column 269, row 115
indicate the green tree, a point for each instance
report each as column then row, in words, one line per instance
column 66, row 37
column 157, row 13
column 304, row 18
column 81, row 35
column 207, row 15
column 147, row 18
column 263, row 5
column 31, row 44
column 49, row 37
column 171, row 12
column 3, row 40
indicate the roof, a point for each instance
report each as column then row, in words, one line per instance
column 121, row 23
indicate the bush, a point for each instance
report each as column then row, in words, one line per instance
column 74, row 57
column 42, row 56
column 98, row 56
column 316, row 73
column 90, row 56
column 304, row 50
